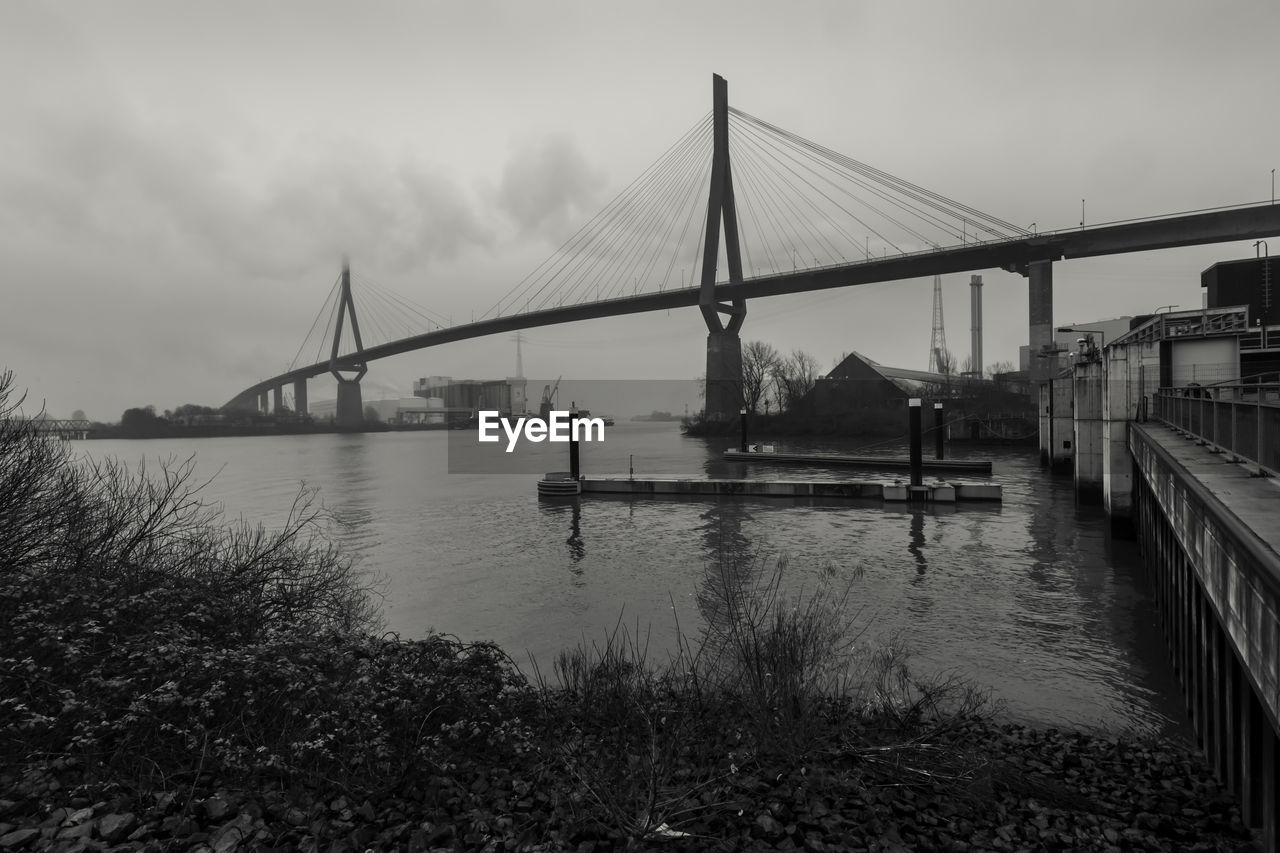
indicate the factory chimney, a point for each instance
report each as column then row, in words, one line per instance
column 975, row 310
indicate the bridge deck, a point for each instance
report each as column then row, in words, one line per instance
column 1241, row 223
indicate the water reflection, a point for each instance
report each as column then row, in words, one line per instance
column 917, row 543
column 723, row 538
column 562, row 513
column 576, row 549
column 349, row 494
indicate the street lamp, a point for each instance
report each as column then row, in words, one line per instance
column 1102, row 340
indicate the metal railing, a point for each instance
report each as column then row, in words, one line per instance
column 1240, row 418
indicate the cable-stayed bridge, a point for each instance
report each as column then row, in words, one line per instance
column 737, row 209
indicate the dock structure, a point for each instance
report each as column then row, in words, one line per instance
column 939, row 492
column 968, row 466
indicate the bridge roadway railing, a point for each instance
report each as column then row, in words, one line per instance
column 1210, row 538
column 1241, row 419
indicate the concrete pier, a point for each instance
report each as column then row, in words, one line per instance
column 724, row 375
column 300, row 396
column 1040, row 338
column 1087, row 431
column 765, row 457
column 939, row 492
column 350, row 408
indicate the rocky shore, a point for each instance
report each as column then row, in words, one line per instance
column 1030, row 790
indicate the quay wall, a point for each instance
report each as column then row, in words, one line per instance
column 1208, row 532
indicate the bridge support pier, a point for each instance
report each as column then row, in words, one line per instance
column 277, row 399
column 724, row 375
column 350, row 409
column 300, row 396
column 1040, row 339
column 262, row 402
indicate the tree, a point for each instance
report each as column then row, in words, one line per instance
column 139, row 421
column 79, row 415
column 997, row 367
column 794, row 377
column 371, row 415
column 759, row 362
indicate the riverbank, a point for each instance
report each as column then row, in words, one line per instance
column 160, row 739
column 167, row 716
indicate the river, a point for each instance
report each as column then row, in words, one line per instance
column 1029, row 598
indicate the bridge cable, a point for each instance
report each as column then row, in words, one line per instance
column 753, row 198
column 576, row 268
column 880, row 194
column 846, row 211
column 949, row 206
column 639, row 224
column 293, row 364
column 519, row 291
column 579, row 269
column 785, row 199
column 906, row 187
column 423, row 312
column 678, row 186
column 818, row 236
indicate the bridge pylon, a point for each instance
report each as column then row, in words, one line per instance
column 350, row 406
column 724, row 347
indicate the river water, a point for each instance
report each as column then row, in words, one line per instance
column 1030, row 598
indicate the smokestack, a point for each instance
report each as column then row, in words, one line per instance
column 975, row 328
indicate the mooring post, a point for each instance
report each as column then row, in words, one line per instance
column 917, row 448
column 743, row 414
column 573, row 440
column 937, row 429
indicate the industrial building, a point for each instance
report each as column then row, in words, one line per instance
column 506, row 396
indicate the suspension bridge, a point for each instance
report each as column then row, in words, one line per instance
column 794, row 216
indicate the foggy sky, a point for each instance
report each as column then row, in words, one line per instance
column 180, row 181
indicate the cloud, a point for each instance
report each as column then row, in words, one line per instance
column 117, row 180
column 549, row 189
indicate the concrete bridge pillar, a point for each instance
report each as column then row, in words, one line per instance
column 262, row 402
column 350, row 410
column 1043, row 364
column 300, row 396
column 1040, row 315
column 724, row 375
column 277, row 399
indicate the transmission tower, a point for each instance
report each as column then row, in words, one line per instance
column 938, row 341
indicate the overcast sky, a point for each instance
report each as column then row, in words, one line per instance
column 179, row 180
